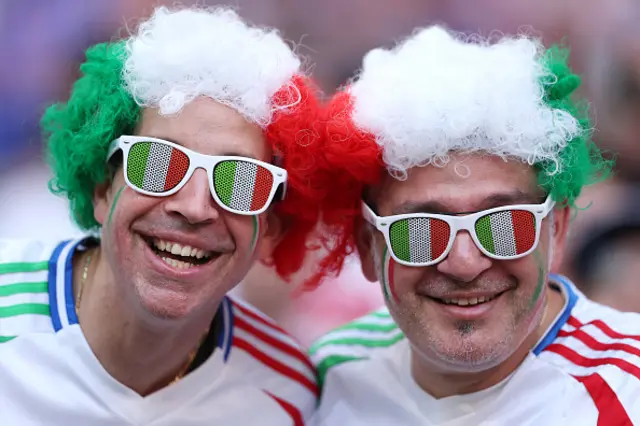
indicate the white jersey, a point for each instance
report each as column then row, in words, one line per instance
column 49, row 375
column 584, row 371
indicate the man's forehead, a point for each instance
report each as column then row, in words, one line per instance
column 477, row 183
column 209, row 128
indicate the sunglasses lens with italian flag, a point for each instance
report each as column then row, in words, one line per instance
column 507, row 233
column 419, row 240
column 156, row 167
column 242, row 186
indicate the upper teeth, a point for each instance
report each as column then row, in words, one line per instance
column 469, row 301
column 175, row 248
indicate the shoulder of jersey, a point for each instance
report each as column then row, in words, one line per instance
column 24, row 291
column 267, row 343
column 358, row 340
column 30, row 254
column 600, row 347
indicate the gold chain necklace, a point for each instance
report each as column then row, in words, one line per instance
column 85, row 272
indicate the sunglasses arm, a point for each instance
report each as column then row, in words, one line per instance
column 113, row 147
column 369, row 215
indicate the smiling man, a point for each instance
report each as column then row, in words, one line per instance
column 460, row 161
column 187, row 147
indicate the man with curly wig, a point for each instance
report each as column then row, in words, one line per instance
column 186, row 150
column 459, row 161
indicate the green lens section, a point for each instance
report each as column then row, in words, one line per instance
column 224, row 177
column 483, row 231
column 399, row 236
column 137, row 163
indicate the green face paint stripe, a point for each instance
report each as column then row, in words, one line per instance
column 10, row 268
column 541, row 279
column 385, row 278
column 137, row 163
column 256, row 234
column 113, row 205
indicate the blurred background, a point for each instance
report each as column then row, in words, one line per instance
column 42, row 44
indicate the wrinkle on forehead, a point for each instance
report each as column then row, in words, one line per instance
column 488, row 181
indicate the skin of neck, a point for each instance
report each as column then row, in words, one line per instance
column 441, row 384
column 145, row 354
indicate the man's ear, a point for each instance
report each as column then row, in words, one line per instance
column 101, row 202
column 270, row 232
column 364, row 241
column 560, row 227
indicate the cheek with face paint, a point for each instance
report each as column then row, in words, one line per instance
column 255, row 238
column 113, row 206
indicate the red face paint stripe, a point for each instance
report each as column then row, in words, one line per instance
column 390, row 278
column 524, row 230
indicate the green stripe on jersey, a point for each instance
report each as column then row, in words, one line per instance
column 331, row 361
column 24, row 309
column 11, row 289
column 10, row 268
column 354, row 341
column 4, row 339
column 382, row 328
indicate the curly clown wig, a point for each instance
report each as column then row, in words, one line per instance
column 176, row 56
column 438, row 93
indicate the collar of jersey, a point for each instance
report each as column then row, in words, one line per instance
column 568, row 290
column 63, row 305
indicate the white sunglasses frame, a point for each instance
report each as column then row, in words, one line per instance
column 458, row 223
column 196, row 161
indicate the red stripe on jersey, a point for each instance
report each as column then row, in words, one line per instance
column 257, row 317
column 610, row 409
column 573, row 321
column 295, row 414
column 599, row 346
column 582, row 361
column 278, row 344
column 275, row 364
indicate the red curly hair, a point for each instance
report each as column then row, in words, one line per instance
column 350, row 160
column 295, row 135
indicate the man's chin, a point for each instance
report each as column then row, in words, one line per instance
column 166, row 304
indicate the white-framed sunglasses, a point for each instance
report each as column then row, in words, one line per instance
column 423, row 239
column 160, row 168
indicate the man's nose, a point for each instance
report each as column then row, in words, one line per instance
column 194, row 201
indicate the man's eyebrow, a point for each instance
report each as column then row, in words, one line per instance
column 494, row 200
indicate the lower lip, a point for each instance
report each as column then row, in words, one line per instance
column 164, row 268
column 467, row 313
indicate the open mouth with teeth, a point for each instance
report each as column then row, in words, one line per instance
column 465, row 302
column 180, row 256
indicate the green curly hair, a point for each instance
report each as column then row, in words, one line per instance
column 77, row 133
column 581, row 162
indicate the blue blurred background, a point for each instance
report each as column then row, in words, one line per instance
column 42, row 44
